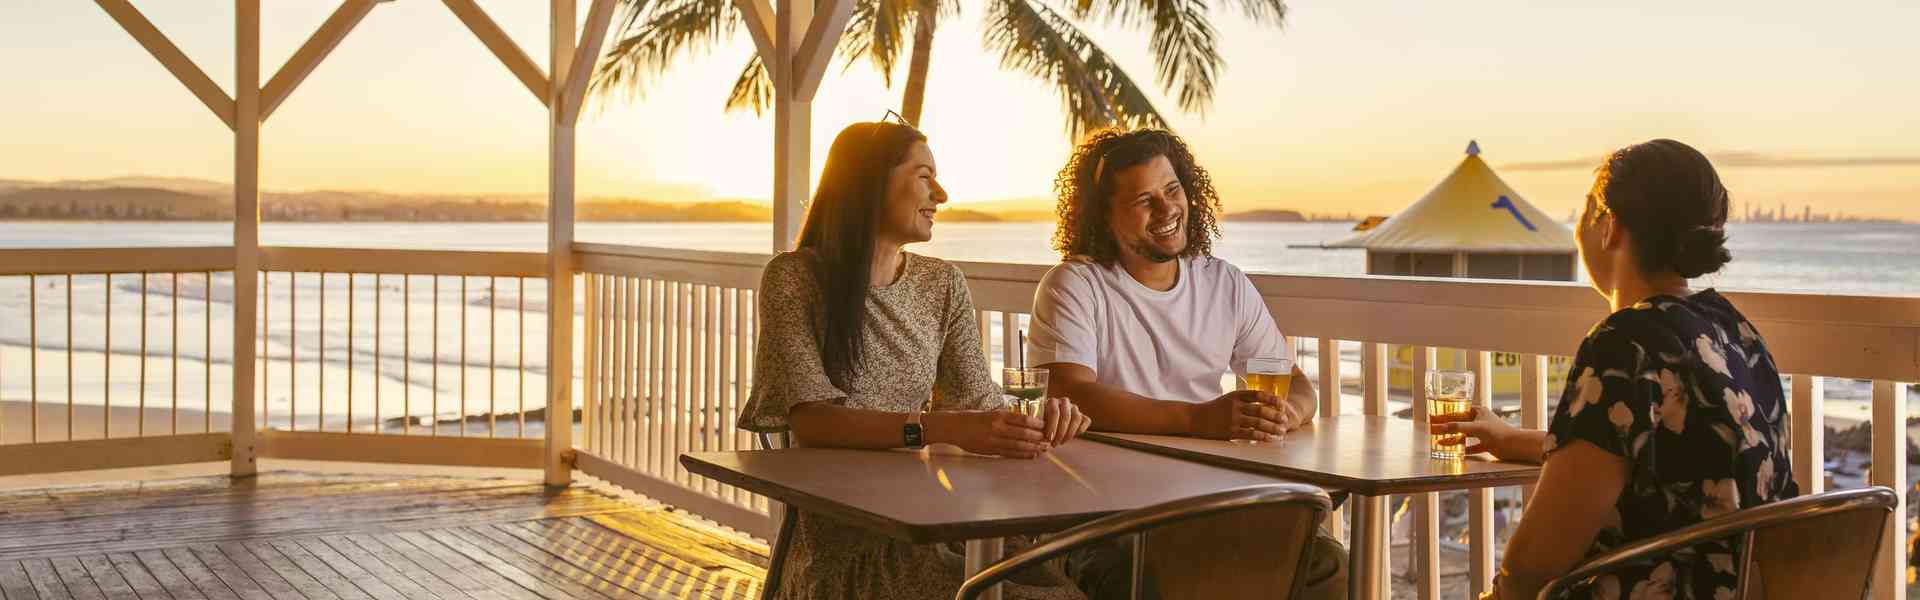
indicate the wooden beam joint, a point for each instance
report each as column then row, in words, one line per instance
column 509, row 53
column 310, row 54
column 170, row 56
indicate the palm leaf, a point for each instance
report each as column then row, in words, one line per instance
column 1186, row 58
column 875, row 32
column 654, row 35
column 753, row 90
column 1094, row 91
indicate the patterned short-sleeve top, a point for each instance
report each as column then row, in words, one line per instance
column 1685, row 390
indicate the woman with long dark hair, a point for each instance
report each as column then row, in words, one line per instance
column 858, row 338
column 1673, row 411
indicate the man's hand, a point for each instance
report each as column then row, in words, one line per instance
column 1243, row 415
column 1064, row 420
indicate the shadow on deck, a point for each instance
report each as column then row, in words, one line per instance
column 289, row 534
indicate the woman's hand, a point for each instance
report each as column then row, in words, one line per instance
column 997, row 433
column 1490, row 434
column 1064, row 420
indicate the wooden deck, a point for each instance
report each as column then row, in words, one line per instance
column 287, row 535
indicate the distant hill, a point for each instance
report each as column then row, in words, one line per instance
column 184, row 199
column 110, row 203
column 1267, row 216
column 962, row 215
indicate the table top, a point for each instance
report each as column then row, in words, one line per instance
column 1366, row 455
column 941, row 494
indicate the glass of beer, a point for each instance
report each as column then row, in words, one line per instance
column 1270, row 374
column 1028, row 387
column 1449, row 394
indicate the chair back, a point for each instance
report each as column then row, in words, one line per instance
column 1814, row 546
column 1243, row 543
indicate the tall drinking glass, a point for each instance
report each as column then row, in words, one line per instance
column 1028, row 387
column 1270, row 374
column 1449, row 394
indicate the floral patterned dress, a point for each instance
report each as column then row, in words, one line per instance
column 1685, row 390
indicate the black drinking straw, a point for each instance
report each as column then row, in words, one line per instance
column 1023, row 349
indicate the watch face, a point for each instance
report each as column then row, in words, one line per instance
column 911, row 434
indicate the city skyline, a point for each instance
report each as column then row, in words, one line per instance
column 1356, row 107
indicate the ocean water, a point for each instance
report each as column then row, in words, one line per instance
column 470, row 372
column 1828, row 258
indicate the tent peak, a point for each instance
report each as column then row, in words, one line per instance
column 1473, row 147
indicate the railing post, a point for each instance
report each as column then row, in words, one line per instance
column 1425, row 549
column 1533, row 402
column 1890, row 469
column 246, row 229
column 560, row 179
column 1480, row 500
column 1809, row 433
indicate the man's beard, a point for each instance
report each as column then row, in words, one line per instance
column 1152, row 253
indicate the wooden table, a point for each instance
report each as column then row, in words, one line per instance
column 1371, row 457
column 943, row 495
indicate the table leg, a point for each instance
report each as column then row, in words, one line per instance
column 1366, row 558
column 980, row 555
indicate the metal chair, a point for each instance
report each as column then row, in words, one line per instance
column 1268, row 527
column 776, row 563
column 1817, row 546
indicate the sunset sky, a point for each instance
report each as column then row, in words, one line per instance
column 1356, row 105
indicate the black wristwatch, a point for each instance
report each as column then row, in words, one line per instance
column 912, row 434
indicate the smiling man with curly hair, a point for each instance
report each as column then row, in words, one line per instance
column 1140, row 322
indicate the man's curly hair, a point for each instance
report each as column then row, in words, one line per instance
column 1085, row 188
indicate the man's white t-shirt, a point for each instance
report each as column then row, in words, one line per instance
column 1171, row 345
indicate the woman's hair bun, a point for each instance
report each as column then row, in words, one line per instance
column 1699, row 251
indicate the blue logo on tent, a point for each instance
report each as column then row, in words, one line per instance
column 1507, row 203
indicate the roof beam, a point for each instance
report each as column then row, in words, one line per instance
column 503, row 47
column 171, row 57
column 757, row 15
column 816, row 49
column 311, row 53
column 573, row 92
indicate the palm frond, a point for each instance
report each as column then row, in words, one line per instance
column 654, row 35
column 1141, row 12
column 1185, row 57
column 875, row 33
column 1094, row 91
column 753, row 90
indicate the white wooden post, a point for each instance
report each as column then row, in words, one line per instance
column 1808, row 441
column 792, row 127
column 1424, row 551
column 246, row 228
column 1480, row 565
column 1533, row 402
column 567, row 91
column 560, row 178
column 1890, row 469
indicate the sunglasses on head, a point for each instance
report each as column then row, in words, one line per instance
column 902, row 121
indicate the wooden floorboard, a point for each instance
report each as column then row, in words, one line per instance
column 304, row 536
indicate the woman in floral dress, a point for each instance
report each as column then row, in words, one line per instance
column 1673, row 411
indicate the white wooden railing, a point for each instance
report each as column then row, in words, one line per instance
column 344, row 354
column 100, row 350
column 666, row 357
column 665, row 368
column 667, row 351
column 123, row 313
